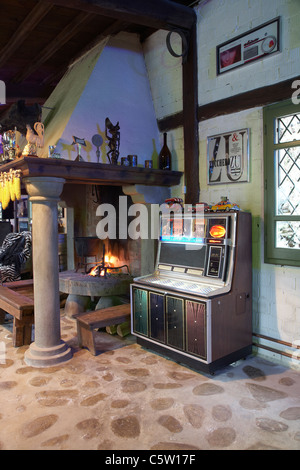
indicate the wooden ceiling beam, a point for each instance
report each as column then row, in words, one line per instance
column 26, row 92
column 157, row 14
column 25, row 28
column 62, row 38
column 257, row 97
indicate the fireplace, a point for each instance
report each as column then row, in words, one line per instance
column 104, row 262
column 102, row 268
column 101, row 277
column 101, row 271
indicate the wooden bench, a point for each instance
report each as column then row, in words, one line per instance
column 89, row 321
column 16, row 298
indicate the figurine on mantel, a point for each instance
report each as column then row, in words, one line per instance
column 34, row 140
column 20, row 121
column 97, row 141
column 79, row 142
column 113, row 141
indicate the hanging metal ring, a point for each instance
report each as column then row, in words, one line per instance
column 185, row 44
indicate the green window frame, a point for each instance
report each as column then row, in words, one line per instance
column 282, row 183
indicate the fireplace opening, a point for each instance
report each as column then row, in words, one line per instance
column 107, row 266
column 104, row 262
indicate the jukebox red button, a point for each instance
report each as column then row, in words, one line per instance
column 217, row 231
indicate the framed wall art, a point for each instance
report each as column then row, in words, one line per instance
column 255, row 44
column 228, row 157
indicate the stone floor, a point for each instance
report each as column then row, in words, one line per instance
column 127, row 398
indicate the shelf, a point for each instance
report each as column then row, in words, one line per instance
column 92, row 173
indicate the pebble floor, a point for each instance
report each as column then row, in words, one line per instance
column 127, row 398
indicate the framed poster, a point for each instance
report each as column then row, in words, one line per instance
column 228, row 157
column 256, row 44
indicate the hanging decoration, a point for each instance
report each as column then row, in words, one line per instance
column 185, row 44
column 10, row 187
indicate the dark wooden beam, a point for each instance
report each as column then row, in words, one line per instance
column 170, row 122
column 27, row 92
column 190, row 121
column 62, row 38
column 158, row 14
column 249, row 99
column 28, row 24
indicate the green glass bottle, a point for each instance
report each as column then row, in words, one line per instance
column 165, row 158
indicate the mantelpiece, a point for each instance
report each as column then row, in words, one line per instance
column 92, row 173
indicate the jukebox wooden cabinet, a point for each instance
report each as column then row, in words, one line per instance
column 140, row 308
column 197, row 306
column 196, row 335
column 174, row 319
column 156, row 316
column 176, row 322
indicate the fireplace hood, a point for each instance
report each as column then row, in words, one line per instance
column 111, row 81
column 92, row 90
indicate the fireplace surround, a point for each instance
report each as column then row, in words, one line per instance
column 44, row 180
column 96, row 279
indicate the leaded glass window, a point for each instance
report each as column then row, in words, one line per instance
column 282, row 183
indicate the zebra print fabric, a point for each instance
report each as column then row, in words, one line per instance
column 14, row 252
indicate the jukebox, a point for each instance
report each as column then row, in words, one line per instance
column 196, row 307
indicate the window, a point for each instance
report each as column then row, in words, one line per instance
column 282, row 183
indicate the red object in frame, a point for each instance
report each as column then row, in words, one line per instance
column 217, row 231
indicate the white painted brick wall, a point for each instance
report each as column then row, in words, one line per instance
column 220, row 21
column 165, row 75
column 276, row 309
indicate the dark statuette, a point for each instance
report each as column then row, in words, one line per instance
column 113, row 141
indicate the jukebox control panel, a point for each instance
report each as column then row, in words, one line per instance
column 196, row 306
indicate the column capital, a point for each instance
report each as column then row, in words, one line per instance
column 44, row 188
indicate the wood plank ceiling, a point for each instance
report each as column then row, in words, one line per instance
column 39, row 39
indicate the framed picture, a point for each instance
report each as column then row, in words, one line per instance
column 228, row 157
column 256, row 44
column 23, row 225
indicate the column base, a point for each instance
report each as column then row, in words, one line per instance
column 47, row 357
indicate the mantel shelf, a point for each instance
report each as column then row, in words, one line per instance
column 81, row 172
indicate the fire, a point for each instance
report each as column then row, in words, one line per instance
column 109, row 262
column 94, row 271
column 112, row 261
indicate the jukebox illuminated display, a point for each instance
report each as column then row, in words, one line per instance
column 196, row 307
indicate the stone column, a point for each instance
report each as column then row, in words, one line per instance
column 48, row 349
